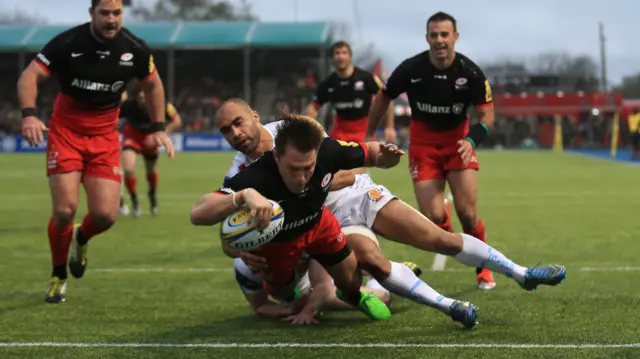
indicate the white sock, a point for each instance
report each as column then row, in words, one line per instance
column 374, row 284
column 403, row 281
column 476, row 253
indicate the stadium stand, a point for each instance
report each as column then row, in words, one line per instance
column 274, row 65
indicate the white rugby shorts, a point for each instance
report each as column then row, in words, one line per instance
column 359, row 204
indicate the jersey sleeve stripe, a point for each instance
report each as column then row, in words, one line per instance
column 378, row 81
column 365, row 147
column 43, row 66
column 484, row 105
column 155, row 69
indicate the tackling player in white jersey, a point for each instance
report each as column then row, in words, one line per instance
column 314, row 291
column 362, row 207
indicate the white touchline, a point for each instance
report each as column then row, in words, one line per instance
column 313, row 345
column 439, row 262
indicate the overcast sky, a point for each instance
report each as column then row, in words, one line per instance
column 488, row 29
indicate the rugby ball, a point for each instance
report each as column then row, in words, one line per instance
column 239, row 230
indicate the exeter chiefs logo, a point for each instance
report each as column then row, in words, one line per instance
column 375, row 195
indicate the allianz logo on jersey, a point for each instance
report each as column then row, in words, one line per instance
column 97, row 86
column 295, row 224
column 456, row 109
column 357, row 103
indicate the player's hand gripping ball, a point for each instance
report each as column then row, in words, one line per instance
column 240, row 231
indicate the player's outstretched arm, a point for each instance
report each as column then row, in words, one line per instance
column 344, row 179
column 213, row 208
column 382, row 155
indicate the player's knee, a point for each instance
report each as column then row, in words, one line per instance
column 436, row 215
column 374, row 262
column 105, row 219
column 129, row 171
column 64, row 215
column 468, row 215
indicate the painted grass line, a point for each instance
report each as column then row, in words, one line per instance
column 312, row 345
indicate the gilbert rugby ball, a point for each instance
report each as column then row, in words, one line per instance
column 240, row 231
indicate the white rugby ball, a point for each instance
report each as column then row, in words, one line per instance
column 241, row 233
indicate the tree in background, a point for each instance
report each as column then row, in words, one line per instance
column 630, row 87
column 194, row 10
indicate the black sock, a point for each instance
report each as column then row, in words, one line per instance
column 353, row 298
column 60, row 271
column 82, row 240
column 478, row 270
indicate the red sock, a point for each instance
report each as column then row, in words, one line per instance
column 477, row 232
column 130, row 183
column 152, row 179
column 90, row 228
column 59, row 242
column 446, row 224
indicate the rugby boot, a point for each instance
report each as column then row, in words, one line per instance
column 485, row 279
column 153, row 200
column 370, row 305
column 547, row 275
column 135, row 208
column 57, row 291
column 124, row 209
column 77, row 255
column 464, row 313
column 414, row 267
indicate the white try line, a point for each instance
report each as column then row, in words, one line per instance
column 439, row 262
column 313, row 345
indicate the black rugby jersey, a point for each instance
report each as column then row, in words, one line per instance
column 351, row 96
column 138, row 116
column 439, row 97
column 92, row 73
column 301, row 211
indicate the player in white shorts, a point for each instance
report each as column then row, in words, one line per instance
column 314, row 291
column 372, row 208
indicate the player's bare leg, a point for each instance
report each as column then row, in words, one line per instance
column 102, row 199
column 431, row 202
column 129, row 166
column 347, row 277
column 464, row 187
column 64, row 188
column 150, row 164
column 318, row 277
column 400, row 279
column 401, row 223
